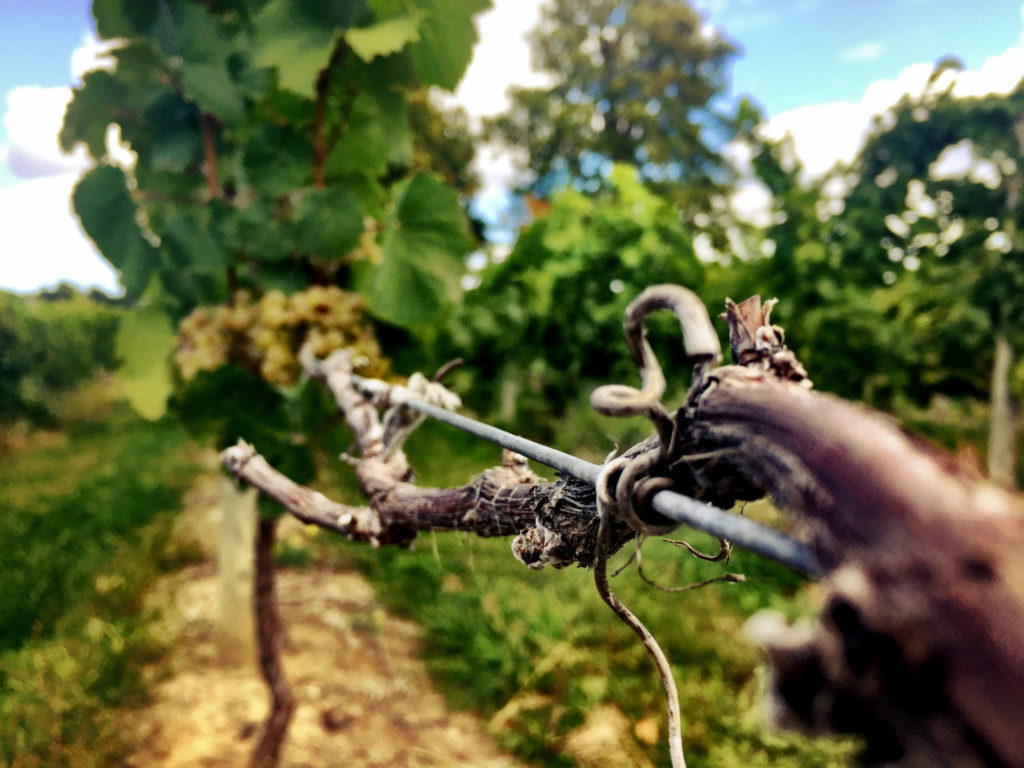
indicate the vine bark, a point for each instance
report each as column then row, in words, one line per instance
column 920, row 646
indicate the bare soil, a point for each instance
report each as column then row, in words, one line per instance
column 364, row 697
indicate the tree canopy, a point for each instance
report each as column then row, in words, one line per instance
column 632, row 83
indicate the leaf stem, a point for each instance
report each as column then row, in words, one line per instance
column 321, row 145
column 210, row 127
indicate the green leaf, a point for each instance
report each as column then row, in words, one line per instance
column 377, row 134
column 259, row 233
column 328, row 222
column 104, row 206
column 231, row 403
column 402, row 292
column 278, row 159
column 190, row 242
column 421, row 254
column 187, row 38
column 294, row 42
column 226, row 401
column 202, row 43
column 122, row 18
column 192, row 288
column 145, row 340
column 429, row 215
column 87, row 117
column 173, row 141
column 212, row 89
column 447, row 37
column 385, row 38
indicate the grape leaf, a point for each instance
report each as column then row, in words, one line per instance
column 173, row 141
column 422, row 251
column 377, row 134
column 191, row 244
column 386, row 37
column 122, row 18
column 229, row 403
column 402, row 292
column 288, row 39
column 104, row 206
column 447, row 36
column 327, row 222
column 211, row 87
column 87, row 117
column 144, row 342
column 278, row 159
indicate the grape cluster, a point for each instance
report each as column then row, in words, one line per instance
column 265, row 335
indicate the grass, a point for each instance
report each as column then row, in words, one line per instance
column 538, row 649
column 85, row 518
column 85, row 521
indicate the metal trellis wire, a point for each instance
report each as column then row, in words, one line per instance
column 741, row 531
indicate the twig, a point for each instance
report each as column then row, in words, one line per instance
column 732, row 578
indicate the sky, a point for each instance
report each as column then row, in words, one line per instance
column 817, row 68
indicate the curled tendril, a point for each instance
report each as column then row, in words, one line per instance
column 700, row 343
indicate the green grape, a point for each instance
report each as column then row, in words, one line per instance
column 265, row 335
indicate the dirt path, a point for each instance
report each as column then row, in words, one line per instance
column 364, row 697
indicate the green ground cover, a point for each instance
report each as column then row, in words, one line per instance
column 85, row 519
column 85, row 523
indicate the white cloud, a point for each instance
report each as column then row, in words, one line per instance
column 962, row 160
column 91, row 54
column 501, row 58
column 739, row 153
column 42, row 242
column 825, row 134
column 752, row 202
column 32, row 120
column 866, row 51
column 954, row 162
column 997, row 74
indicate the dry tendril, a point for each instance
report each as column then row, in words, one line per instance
column 626, row 479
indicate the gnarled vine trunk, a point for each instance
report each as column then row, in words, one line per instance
column 920, row 646
column 267, row 752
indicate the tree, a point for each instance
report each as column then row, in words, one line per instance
column 273, row 150
column 908, row 262
column 277, row 118
column 633, row 83
column 542, row 323
column 948, row 174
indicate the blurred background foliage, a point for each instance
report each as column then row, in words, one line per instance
column 49, row 344
column 293, row 178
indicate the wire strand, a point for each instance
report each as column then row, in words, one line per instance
column 741, row 531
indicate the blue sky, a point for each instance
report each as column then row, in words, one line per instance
column 800, row 52
column 818, row 68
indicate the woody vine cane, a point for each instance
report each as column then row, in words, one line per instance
column 920, row 646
